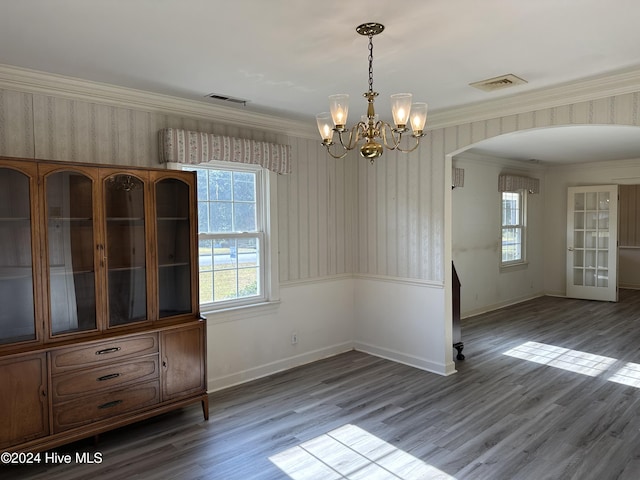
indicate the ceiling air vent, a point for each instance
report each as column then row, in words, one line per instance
column 498, row 83
column 226, row 98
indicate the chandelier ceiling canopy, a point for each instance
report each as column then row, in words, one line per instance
column 372, row 134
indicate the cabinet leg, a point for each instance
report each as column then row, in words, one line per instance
column 459, row 346
column 205, row 407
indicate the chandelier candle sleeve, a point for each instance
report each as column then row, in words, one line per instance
column 339, row 107
column 418, row 117
column 400, row 109
column 325, row 126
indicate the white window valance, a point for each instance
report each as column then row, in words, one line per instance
column 513, row 183
column 185, row 146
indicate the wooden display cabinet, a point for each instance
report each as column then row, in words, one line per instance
column 98, row 280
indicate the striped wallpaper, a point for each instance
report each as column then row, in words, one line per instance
column 335, row 217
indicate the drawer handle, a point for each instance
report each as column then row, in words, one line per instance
column 107, row 377
column 110, row 404
column 107, row 350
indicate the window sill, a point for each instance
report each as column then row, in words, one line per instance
column 239, row 312
column 513, row 267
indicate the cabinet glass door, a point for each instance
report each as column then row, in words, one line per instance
column 174, row 248
column 125, row 248
column 70, row 236
column 17, row 314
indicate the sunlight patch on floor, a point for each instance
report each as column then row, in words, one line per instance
column 349, row 452
column 627, row 375
column 576, row 361
column 564, row 358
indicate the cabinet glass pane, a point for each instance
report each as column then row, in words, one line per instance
column 126, row 249
column 174, row 247
column 17, row 317
column 69, row 215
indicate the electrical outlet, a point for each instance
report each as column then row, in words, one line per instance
column 294, row 338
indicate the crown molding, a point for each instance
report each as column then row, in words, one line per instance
column 468, row 158
column 593, row 88
column 31, row 81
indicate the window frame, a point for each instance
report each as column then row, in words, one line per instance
column 520, row 225
column 266, row 224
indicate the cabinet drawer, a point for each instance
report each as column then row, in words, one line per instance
column 102, row 352
column 87, row 382
column 94, row 408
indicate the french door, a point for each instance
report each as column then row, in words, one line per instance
column 592, row 242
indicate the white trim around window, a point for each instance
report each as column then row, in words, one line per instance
column 265, row 237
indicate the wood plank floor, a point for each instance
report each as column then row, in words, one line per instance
column 549, row 390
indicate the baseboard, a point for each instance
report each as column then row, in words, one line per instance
column 497, row 306
column 412, row 361
column 214, row 384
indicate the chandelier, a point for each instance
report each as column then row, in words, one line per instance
column 373, row 131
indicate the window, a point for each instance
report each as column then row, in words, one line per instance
column 232, row 234
column 513, row 214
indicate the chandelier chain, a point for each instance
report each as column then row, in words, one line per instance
column 370, row 63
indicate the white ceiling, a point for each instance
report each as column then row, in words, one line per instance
column 565, row 144
column 285, row 57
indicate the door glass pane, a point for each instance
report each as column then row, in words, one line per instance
column 590, row 258
column 69, row 214
column 603, row 201
column 577, row 276
column 603, row 240
column 592, row 200
column 603, row 278
column 17, row 317
column 578, row 202
column 603, row 259
column 578, row 258
column 126, row 250
column 174, row 247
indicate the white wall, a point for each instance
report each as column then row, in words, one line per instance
column 476, row 236
column 629, row 267
column 400, row 320
column 251, row 343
